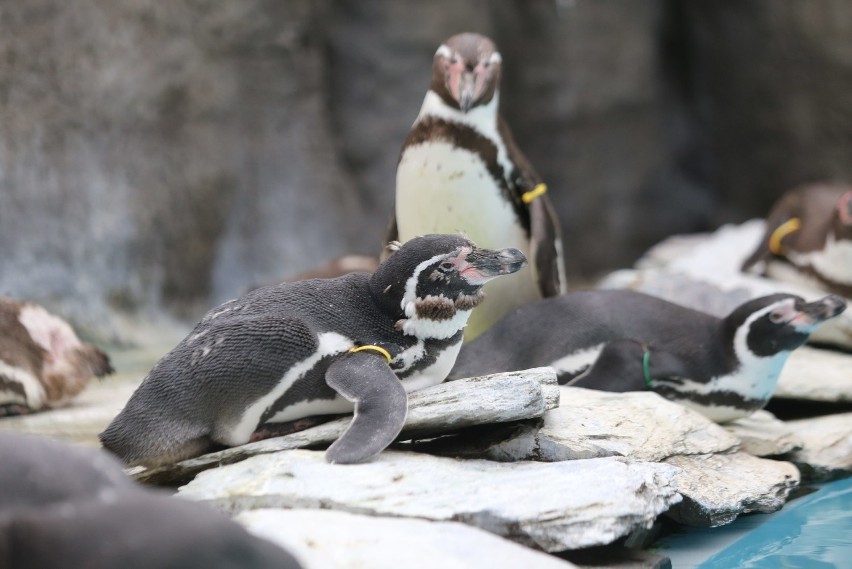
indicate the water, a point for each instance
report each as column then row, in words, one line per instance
column 811, row 532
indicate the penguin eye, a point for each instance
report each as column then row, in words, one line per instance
column 776, row 317
column 486, row 64
column 445, row 266
column 454, row 59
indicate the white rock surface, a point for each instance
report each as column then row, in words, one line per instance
column 703, row 272
column 590, row 424
column 325, row 539
column 816, row 375
column 827, row 451
column 641, row 426
column 551, row 506
column 762, row 434
column 717, row 488
column 439, row 409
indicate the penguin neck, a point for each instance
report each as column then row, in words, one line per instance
column 429, row 329
column 482, row 118
column 767, row 366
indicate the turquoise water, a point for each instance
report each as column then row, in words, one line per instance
column 813, row 531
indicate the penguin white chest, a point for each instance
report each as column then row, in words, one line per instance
column 432, row 374
column 441, row 188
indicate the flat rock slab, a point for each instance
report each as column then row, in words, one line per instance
column 717, row 488
column 827, row 450
column 762, row 434
column 550, row 506
column 703, row 273
column 814, row 374
column 443, row 408
column 325, row 539
column 591, row 424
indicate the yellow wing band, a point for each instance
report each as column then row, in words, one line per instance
column 790, row 226
column 528, row 197
column 378, row 349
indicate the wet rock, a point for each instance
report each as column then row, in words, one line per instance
column 718, row 488
column 703, row 272
column 761, row 434
column 329, row 540
column 551, row 506
column 816, row 375
column 443, row 408
column 827, row 450
column 590, row 424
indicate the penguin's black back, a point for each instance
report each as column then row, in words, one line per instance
column 238, row 353
column 541, row 332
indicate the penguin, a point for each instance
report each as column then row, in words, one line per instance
column 69, row 506
column 39, row 472
column 621, row 340
column 808, row 239
column 313, row 347
column 460, row 170
column 43, row 364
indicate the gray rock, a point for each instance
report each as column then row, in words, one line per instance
column 590, row 424
column 827, row 451
column 761, row 434
column 717, row 488
column 324, row 539
column 443, row 408
column 816, row 375
column 551, row 506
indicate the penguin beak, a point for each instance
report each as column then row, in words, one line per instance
column 467, row 91
column 482, row 265
column 810, row 314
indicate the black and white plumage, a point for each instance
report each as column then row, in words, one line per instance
column 282, row 352
column 460, row 170
column 725, row 368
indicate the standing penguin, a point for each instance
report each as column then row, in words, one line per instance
column 808, row 238
column 460, row 170
column 620, row 340
column 313, row 347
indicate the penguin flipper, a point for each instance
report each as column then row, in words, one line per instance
column 381, row 406
column 546, row 240
column 788, row 207
column 545, row 230
column 762, row 252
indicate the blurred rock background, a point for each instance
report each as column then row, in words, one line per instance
column 159, row 157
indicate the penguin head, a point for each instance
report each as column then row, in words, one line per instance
column 466, row 71
column 431, row 283
column 777, row 323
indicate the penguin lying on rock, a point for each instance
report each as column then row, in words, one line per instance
column 42, row 362
column 313, row 347
column 460, row 170
column 808, row 239
column 619, row 340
